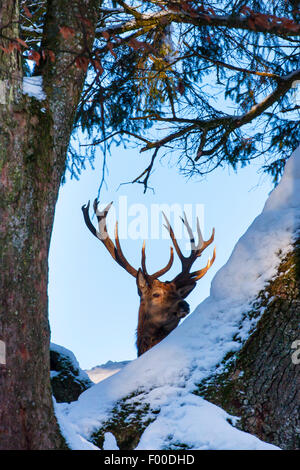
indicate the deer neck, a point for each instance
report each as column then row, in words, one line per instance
column 148, row 334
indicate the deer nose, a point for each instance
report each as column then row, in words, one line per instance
column 184, row 305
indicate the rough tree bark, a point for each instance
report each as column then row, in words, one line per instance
column 34, row 138
column 261, row 384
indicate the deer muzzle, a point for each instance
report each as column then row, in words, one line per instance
column 184, row 308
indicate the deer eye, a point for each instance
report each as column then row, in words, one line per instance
column 156, row 295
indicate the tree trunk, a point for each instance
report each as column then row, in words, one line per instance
column 261, row 384
column 34, row 138
column 28, row 194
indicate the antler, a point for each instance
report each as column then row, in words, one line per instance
column 115, row 249
column 161, row 271
column 196, row 250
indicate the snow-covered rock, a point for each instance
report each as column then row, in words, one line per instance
column 160, row 384
column 68, row 380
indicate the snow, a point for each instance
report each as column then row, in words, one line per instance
column 69, row 355
column 33, row 86
column 110, row 442
column 166, row 376
column 197, row 417
column 101, row 372
column 73, row 439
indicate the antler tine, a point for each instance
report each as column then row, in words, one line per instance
column 143, row 262
column 102, row 235
column 120, row 258
column 161, row 271
column 166, row 268
column 196, row 275
column 208, row 242
column 189, row 230
column 196, row 251
column 85, row 209
column 171, row 232
column 101, row 217
column 200, row 237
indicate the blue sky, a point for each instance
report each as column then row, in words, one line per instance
column 93, row 302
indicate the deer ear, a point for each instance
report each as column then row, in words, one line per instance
column 141, row 281
column 186, row 289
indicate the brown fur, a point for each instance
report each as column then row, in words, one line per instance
column 161, row 309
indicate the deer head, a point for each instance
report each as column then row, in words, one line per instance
column 162, row 304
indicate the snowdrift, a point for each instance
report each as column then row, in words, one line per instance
column 157, row 389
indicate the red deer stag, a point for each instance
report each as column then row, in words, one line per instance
column 162, row 303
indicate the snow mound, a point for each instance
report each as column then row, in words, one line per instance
column 165, row 376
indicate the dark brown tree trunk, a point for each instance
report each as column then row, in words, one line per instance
column 34, row 138
column 261, row 383
column 28, row 193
